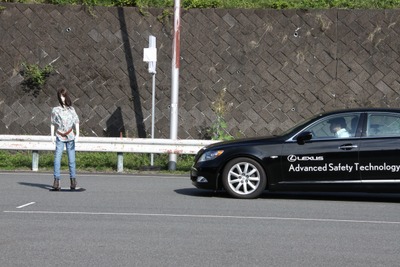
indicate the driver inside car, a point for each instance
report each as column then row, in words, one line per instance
column 338, row 127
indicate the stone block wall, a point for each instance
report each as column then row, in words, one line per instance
column 266, row 70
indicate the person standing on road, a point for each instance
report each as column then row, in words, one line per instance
column 63, row 119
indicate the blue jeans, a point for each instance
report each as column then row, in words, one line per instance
column 70, row 146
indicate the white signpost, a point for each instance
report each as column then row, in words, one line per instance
column 150, row 56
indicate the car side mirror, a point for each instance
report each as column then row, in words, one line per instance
column 303, row 137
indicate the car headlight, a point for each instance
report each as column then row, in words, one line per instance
column 210, row 155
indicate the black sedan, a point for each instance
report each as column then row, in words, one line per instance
column 347, row 150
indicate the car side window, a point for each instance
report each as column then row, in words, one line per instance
column 381, row 125
column 343, row 126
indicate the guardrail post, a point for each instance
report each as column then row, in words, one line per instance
column 120, row 162
column 35, row 160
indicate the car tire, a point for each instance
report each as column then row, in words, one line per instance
column 244, row 178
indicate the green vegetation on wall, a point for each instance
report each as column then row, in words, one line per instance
column 35, row 77
column 274, row 4
column 218, row 129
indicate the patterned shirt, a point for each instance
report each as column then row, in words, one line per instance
column 64, row 119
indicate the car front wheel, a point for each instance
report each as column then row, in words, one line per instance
column 244, row 178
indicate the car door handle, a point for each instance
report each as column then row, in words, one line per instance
column 347, row 147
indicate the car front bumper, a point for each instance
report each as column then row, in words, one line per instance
column 204, row 177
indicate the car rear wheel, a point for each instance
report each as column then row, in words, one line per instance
column 244, row 178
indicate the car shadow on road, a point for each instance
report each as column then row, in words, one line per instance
column 334, row 196
column 194, row 192
column 325, row 196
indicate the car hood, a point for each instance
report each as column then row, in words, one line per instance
column 245, row 141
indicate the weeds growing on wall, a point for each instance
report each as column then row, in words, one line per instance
column 35, row 77
column 275, row 4
column 218, row 129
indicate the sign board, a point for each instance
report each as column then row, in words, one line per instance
column 150, row 54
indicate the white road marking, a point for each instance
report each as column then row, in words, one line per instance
column 205, row 216
column 27, row 204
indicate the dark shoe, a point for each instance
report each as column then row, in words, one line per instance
column 73, row 183
column 56, row 185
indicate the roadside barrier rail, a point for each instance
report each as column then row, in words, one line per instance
column 36, row 143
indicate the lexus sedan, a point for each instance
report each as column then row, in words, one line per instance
column 346, row 150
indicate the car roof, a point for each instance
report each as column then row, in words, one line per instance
column 361, row 110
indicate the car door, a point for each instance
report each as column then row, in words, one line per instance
column 324, row 158
column 380, row 148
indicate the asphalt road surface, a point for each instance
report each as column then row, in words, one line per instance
column 161, row 220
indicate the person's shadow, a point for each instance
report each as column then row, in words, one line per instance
column 49, row 187
column 42, row 186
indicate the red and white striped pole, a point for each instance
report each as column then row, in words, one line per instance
column 175, row 81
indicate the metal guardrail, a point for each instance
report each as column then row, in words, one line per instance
column 37, row 143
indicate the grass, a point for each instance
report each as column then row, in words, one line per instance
column 93, row 162
column 275, row 4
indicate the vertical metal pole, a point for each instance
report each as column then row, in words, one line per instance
column 120, row 162
column 152, row 70
column 35, row 160
column 153, row 100
column 175, row 81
